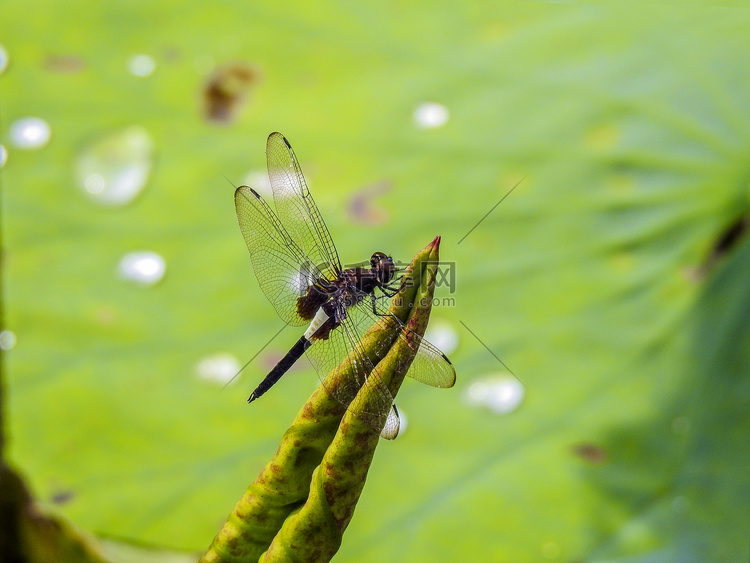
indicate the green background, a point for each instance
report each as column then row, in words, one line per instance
column 592, row 280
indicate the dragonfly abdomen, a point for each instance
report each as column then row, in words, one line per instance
column 322, row 324
column 281, row 368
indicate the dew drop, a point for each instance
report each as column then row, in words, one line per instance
column 114, row 169
column 3, row 156
column 500, row 393
column 442, row 334
column 141, row 65
column 431, row 115
column 4, row 59
column 142, row 267
column 30, row 133
column 218, row 368
column 7, row 340
column 94, row 184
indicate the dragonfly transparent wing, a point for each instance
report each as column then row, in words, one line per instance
column 392, row 424
column 283, row 269
column 296, row 207
column 430, row 366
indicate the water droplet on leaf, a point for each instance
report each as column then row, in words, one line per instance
column 500, row 393
column 30, row 133
column 4, row 59
column 431, row 115
column 218, row 368
column 141, row 65
column 442, row 334
column 114, row 169
column 7, row 340
column 143, row 267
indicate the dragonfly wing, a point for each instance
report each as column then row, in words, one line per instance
column 430, row 366
column 283, row 270
column 296, row 207
column 392, row 424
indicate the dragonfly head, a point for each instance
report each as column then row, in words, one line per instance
column 382, row 267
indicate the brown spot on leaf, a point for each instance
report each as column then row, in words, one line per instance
column 591, row 452
column 362, row 208
column 171, row 54
column 64, row 64
column 62, row 497
column 105, row 316
column 227, row 90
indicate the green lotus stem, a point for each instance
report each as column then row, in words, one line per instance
column 303, row 500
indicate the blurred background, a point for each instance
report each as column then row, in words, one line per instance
column 613, row 281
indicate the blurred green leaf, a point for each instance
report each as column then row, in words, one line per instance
column 589, row 281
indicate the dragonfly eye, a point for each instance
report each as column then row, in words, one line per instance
column 383, row 267
column 390, row 269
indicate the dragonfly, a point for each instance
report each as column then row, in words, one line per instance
column 298, row 269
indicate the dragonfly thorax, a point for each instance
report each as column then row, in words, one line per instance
column 350, row 287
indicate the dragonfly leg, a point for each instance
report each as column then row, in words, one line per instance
column 374, row 302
